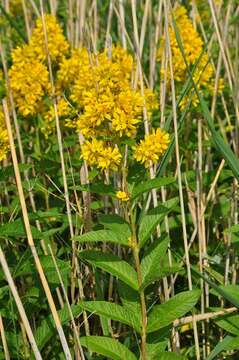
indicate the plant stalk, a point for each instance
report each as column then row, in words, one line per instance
column 141, row 291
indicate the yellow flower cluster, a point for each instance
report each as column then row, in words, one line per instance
column 56, row 42
column 63, row 110
column 98, row 153
column 193, row 48
column 151, row 148
column 72, row 68
column 29, row 80
column 28, row 75
column 4, row 145
column 100, row 87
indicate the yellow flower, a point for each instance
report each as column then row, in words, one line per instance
column 91, row 150
column 122, row 196
column 124, row 124
column 192, row 47
column 102, row 91
column 150, row 100
column 57, row 44
column 29, row 80
column 63, row 110
column 151, row 148
column 124, row 59
column 98, row 154
column 191, row 42
column 110, row 159
column 4, row 144
column 74, row 69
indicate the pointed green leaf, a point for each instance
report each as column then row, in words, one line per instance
column 229, row 322
column 227, row 344
column 107, row 347
column 129, row 297
column 115, row 223
column 151, row 184
column 164, row 314
column 155, row 263
column 113, row 265
column 229, row 292
column 170, row 356
column 16, row 228
column 47, row 327
column 153, row 350
column 149, row 221
column 113, row 311
column 103, row 236
column 220, row 144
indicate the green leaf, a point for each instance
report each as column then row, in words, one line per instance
column 47, row 327
column 170, row 356
column 149, row 221
column 28, row 267
column 229, row 322
column 102, row 189
column 17, row 229
column 220, row 144
column 153, row 350
column 149, row 185
column 108, row 347
column 164, row 314
column 129, row 297
column 115, row 223
column 152, row 262
column 113, row 265
column 229, row 292
column 227, row 344
column 113, row 311
column 103, row 236
column 100, row 289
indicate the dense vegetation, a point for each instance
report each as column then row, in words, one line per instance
column 119, row 179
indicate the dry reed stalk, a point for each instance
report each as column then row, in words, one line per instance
column 109, row 21
column 139, row 72
column 24, row 8
column 163, row 87
column 53, row 7
column 208, row 198
column 60, row 144
column 4, row 340
column 80, row 22
column 205, row 316
column 200, row 223
column 143, row 26
column 22, row 155
column 154, row 47
column 20, row 307
column 70, row 25
column 228, row 67
column 179, row 176
column 33, row 5
column 76, row 333
column 122, row 23
column 29, row 234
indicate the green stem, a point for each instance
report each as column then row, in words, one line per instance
column 141, row 291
